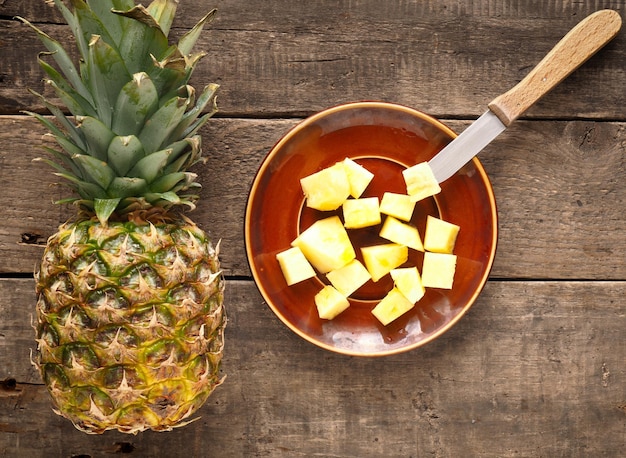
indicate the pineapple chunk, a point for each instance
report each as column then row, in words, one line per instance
column 358, row 176
column 401, row 233
column 407, row 280
column 391, row 307
column 349, row 278
column 358, row 213
column 294, row 265
column 440, row 235
column 380, row 259
column 327, row 189
column 397, row 205
column 326, row 244
column 330, row 303
column 438, row 270
column 420, row 182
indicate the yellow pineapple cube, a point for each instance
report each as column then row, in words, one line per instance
column 349, row 278
column 330, row 303
column 392, row 307
column 397, row 205
column 380, row 259
column 327, row 189
column 408, row 281
column 326, row 244
column 358, row 213
column 438, row 270
column 420, row 181
column 358, row 176
column 440, row 235
column 401, row 233
column 294, row 266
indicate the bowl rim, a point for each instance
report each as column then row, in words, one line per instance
column 265, row 164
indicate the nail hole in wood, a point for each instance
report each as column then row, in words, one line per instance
column 124, row 447
column 8, row 384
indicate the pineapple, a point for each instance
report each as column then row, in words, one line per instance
column 392, row 307
column 440, row 235
column 349, row 278
column 326, row 244
column 327, row 189
column 399, row 206
column 129, row 318
column 408, row 281
column 420, row 181
column 401, row 233
column 358, row 177
column 330, row 302
column 381, row 259
column 360, row 213
column 438, row 270
column 294, row 266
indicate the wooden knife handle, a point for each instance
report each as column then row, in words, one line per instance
column 582, row 42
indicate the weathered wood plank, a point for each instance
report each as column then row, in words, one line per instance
column 535, row 369
column 559, row 187
column 285, row 58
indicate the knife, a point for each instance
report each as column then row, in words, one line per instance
column 582, row 42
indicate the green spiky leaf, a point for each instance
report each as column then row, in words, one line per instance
column 97, row 135
column 127, row 187
column 71, row 132
column 63, row 159
column 96, row 170
column 169, row 75
column 142, row 38
column 112, row 22
column 135, row 118
column 188, row 41
column 151, row 166
column 163, row 12
column 167, row 196
column 124, row 153
column 75, row 102
column 107, row 76
column 91, row 24
column 187, row 144
column 70, row 147
column 85, row 189
column 167, row 182
column 63, row 60
column 137, row 101
column 104, row 208
column 158, row 128
column 190, row 123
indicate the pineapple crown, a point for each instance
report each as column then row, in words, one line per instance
column 135, row 129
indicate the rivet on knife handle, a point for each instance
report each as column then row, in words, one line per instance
column 582, row 42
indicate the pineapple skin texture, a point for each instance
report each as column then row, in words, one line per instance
column 129, row 323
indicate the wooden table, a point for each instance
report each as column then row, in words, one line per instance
column 536, row 369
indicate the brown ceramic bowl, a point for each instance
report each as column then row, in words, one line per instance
column 384, row 138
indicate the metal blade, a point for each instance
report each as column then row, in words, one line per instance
column 467, row 145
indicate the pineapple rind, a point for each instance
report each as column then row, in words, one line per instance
column 130, row 318
column 130, row 323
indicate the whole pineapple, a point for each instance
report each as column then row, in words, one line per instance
column 130, row 318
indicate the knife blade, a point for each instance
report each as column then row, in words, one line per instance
column 467, row 145
column 580, row 43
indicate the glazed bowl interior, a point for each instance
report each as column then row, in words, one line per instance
column 384, row 138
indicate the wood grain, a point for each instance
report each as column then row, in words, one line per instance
column 576, row 47
column 558, row 186
column 280, row 59
column 536, row 368
column 532, row 370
